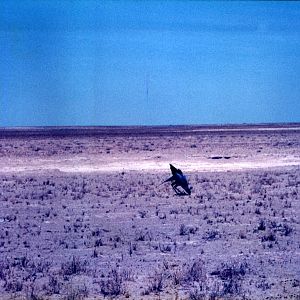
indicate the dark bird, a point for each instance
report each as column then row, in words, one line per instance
column 179, row 180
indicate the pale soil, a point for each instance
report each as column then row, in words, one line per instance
column 194, row 151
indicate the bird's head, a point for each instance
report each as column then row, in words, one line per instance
column 188, row 190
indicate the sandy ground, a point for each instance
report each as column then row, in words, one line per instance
column 83, row 214
column 196, row 150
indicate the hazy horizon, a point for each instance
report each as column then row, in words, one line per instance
column 131, row 63
column 283, row 125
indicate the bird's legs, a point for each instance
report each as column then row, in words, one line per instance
column 177, row 191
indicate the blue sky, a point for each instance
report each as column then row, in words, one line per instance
column 148, row 63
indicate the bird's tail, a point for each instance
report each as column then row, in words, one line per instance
column 173, row 169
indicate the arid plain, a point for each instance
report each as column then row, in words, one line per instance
column 83, row 214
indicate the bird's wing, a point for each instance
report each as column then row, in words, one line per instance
column 179, row 172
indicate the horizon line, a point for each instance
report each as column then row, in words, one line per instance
column 162, row 125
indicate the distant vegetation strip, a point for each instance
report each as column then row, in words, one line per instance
column 53, row 131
